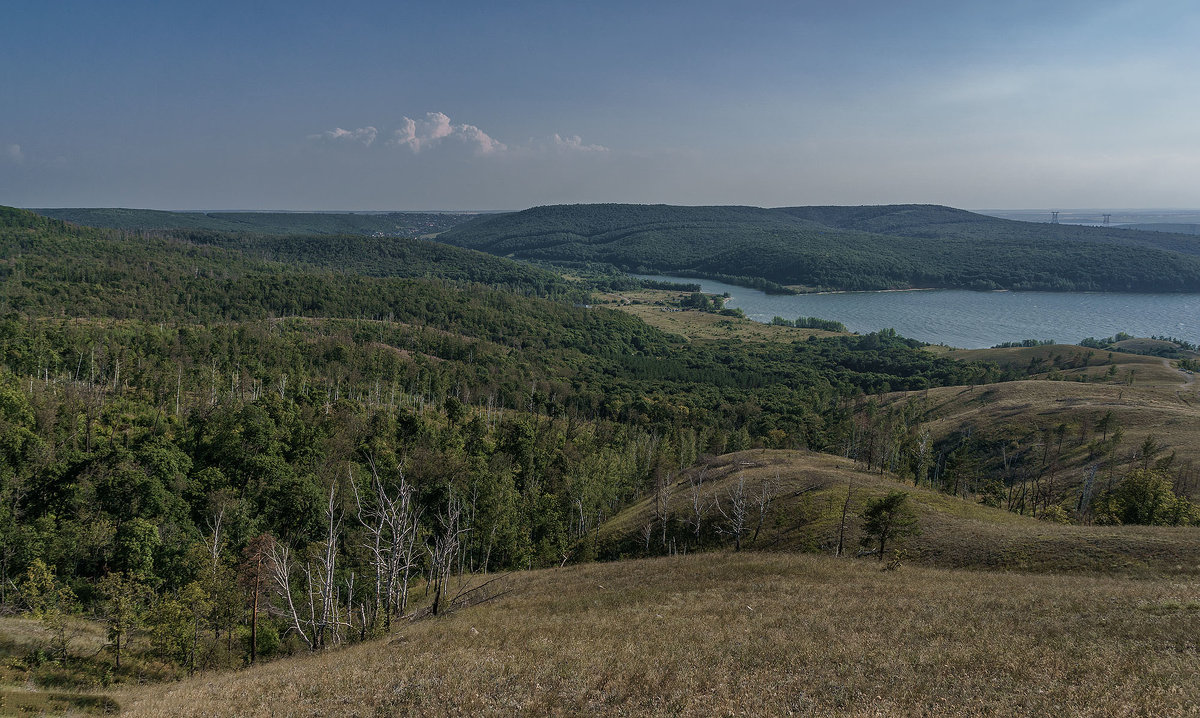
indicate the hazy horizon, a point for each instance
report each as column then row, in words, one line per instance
column 299, row 106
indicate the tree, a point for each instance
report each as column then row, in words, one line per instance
column 51, row 602
column 736, row 518
column 888, row 519
column 124, row 601
column 1145, row 497
column 255, row 573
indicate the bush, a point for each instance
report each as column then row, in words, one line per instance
column 1145, row 497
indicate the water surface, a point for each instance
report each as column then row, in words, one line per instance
column 974, row 320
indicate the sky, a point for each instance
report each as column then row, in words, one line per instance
column 497, row 106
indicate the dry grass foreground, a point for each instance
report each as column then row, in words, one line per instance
column 810, row 491
column 755, row 635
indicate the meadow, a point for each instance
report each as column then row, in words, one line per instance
column 727, row 634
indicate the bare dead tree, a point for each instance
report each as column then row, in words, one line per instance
column 767, row 491
column 699, row 508
column 391, row 519
column 321, row 577
column 280, row 568
column 319, row 621
column 647, row 533
column 662, row 502
column 736, row 517
column 444, row 549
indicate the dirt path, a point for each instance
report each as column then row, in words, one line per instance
column 1189, row 378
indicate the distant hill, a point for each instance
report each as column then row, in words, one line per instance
column 390, row 224
column 846, row 248
column 52, row 267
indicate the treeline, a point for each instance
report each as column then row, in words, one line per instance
column 382, row 224
column 828, row 325
column 1027, row 343
column 843, row 248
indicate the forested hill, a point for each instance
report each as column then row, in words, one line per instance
column 872, row 247
column 389, row 224
column 54, row 267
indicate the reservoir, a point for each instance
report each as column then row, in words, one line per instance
column 974, row 320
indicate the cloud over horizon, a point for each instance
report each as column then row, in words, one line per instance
column 418, row 135
column 364, row 135
column 12, row 153
column 436, row 128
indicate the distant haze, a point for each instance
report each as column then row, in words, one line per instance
column 491, row 106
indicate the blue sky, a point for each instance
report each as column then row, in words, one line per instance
column 473, row 105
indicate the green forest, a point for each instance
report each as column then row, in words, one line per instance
column 241, row 446
column 381, row 224
column 842, row 248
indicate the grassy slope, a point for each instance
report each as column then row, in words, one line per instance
column 751, row 634
column 843, row 247
column 1147, row 396
column 806, row 517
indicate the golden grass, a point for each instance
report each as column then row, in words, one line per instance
column 806, row 516
column 1170, row 412
column 22, row 637
column 649, row 305
column 755, row 635
column 1146, row 370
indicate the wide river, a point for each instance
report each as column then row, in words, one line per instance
column 973, row 320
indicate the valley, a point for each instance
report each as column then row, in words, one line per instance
column 232, row 459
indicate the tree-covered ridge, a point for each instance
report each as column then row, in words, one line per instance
column 52, row 268
column 850, row 248
column 389, row 224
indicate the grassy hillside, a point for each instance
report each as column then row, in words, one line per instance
column 886, row 247
column 809, row 493
column 750, row 634
column 390, row 224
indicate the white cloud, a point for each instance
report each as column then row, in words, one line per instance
column 419, row 135
column 364, row 135
column 12, row 153
column 436, row 129
column 573, row 143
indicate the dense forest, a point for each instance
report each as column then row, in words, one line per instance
column 261, row 455
column 381, row 224
column 847, row 248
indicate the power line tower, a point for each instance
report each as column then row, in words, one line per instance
column 1054, row 216
column 1107, row 219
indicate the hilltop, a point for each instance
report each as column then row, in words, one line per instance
column 848, row 248
column 383, row 224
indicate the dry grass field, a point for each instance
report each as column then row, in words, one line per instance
column 751, row 634
column 19, row 696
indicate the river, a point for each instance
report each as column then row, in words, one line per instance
column 973, row 320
